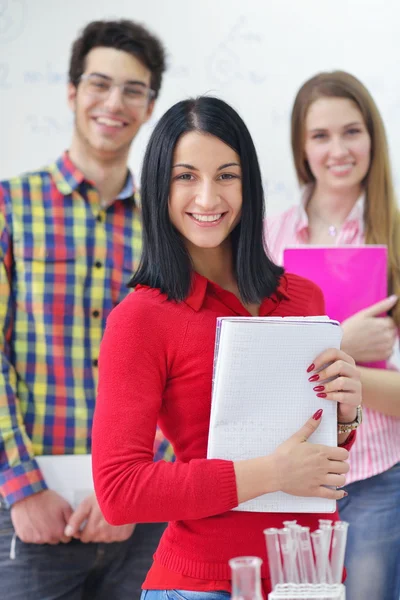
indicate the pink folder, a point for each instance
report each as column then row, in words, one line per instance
column 351, row 277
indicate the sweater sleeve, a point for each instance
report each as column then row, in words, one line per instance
column 133, row 369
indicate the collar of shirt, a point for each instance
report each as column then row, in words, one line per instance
column 201, row 287
column 67, row 178
column 354, row 220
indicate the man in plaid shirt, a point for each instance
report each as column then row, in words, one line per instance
column 70, row 237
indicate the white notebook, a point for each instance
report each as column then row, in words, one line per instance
column 261, row 394
column 70, row 475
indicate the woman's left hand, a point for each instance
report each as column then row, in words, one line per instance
column 334, row 376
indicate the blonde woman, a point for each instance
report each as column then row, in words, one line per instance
column 341, row 158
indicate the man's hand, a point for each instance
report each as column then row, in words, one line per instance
column 369, row 337
column 41, row 518
column 88, row 524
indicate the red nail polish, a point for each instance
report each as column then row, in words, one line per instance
column 323, row 395
column 316, row 416
column 319, row 388
column 345, row 494
column 313, row 377
column 311, row 368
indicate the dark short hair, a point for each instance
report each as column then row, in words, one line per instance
column 123, row 35
column 165, row 262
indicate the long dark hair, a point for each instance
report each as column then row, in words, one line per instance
column 166, row 263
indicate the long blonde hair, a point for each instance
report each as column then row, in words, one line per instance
column 382, row 216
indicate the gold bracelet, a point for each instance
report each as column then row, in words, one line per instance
column 348, row 427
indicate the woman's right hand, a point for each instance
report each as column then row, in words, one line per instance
column 304, row 469
column 369, row 337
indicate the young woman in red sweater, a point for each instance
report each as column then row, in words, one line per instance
column 203, row 258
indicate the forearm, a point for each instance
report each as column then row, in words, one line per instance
column 19, row 475
column 255, row 477
column 381, row 390
column 132, row 489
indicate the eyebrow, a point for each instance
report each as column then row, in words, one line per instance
column 344, row 126
column 185, row 166
column 108, row 78
column 191, row 167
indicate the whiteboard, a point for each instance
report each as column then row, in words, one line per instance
column 255, row 54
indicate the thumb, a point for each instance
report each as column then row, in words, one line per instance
column 309, row 427
column 77, row 518
column 381, row 307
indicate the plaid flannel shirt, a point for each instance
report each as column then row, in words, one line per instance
column 64, row 265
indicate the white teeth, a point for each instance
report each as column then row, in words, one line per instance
column 207, row 218
column 340, row 168
column 110, row 122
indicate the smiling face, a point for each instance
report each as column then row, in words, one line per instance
column 106, row 125
column 337, row 144
column 205, row 198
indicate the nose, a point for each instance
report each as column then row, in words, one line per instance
column 114, row 101
column 207, row 197
column 338, row 147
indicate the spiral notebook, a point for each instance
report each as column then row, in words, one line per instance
column 261, row 394
column 351, row 277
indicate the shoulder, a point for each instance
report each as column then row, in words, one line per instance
column 145, row 324
column 306, row 294
column 148, row 309
column 11, row 189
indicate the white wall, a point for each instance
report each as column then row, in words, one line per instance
column 254, row 54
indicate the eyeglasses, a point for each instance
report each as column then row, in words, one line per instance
column 133, row 94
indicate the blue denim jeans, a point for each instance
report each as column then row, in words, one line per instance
column 76, row 571
column 182, row 595
column 373, row 546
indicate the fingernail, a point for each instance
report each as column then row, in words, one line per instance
column 313, row 378
column 319, row 388
column 311, row 368
column 345, row 494
column 322, row 395
column 68, row 531
column 393, row 297
column 317, row 415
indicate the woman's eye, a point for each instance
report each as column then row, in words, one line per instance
column 319, row 136
column 228, row 176
column 353, row 131
column 185, row 177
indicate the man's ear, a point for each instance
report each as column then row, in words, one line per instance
column 72, row 91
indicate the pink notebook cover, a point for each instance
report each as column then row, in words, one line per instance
column 351, row 277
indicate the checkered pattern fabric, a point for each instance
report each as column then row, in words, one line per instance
column 64, row 265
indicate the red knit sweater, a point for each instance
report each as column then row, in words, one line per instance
column 156, row 364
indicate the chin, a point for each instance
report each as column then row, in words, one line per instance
column 108, row 147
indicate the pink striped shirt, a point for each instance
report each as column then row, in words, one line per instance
column 377, row 445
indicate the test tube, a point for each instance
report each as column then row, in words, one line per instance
column 293, row 528
column 317, row 538
column 307, row 560
column 274, row 556
column 288, row 556
column 325, row 526
column 338, row 550
column 301, row 569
